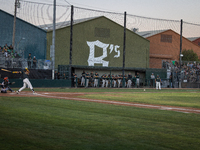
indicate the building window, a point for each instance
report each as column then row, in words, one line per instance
column 166, row 38
column 102, row 32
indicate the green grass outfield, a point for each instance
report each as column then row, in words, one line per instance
column 45, row 123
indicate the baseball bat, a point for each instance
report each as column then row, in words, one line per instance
column 6, row 70
column 10, row 71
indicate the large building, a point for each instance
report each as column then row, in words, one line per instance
column 195, row 40
column 28, row 38
column 98, row 42
column 165, row 45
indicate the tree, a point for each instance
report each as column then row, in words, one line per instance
column 189, row 55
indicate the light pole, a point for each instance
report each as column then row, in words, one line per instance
column 17, row 5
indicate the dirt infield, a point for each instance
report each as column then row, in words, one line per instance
column 74, row 96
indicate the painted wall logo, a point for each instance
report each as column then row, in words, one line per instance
column 99, row 60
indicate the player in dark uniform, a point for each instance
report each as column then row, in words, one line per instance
column 158, row 81
column 92, row 78
column 137, row 79
column 107, row 80
column 96, row 78
column 25, row 73
column 87, row 76
column 103, row 80
column 115, row 81
column 83, row 78
column 5, row 85
column 129, row 80
column 125, row 80
column 75, row 79
column 119, row 80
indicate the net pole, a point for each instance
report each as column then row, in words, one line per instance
column 53, row 38
column 71, row 40
column 181, row 32
column 124, row 49
column 14, row 25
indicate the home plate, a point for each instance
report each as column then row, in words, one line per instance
column 13, row 93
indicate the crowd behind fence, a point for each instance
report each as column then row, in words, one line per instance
column 187, row 71
column 23, row 63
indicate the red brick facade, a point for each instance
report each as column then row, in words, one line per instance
column 166, row 46
column 197, row 41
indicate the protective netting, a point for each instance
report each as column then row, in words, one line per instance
column 41, row 15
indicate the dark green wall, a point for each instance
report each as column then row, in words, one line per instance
column 137, row 48
column 34, row 41
column 44, row 83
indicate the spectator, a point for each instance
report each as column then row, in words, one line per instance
column 58, row 75
column 11, row 47
column 55, row 75
column 5, row 52
column 34, row 62
column 29, row 60
column 198, row 66
column 63, row 76
column 152, row 79
column 191, row 65
column 6, row 46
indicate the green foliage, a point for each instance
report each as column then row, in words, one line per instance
column 189, row 55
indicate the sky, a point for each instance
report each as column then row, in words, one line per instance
column 170, row 10
column 188, row 10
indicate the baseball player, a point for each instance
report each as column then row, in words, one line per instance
column 137, row 79
column 92, row 78
column 115, row 81
column 83, row 79
column 25, row 73
column 103, row 80
column 87, row 76
column 129, row 80
column 96, row 78
column 119, row 80
column 5, row 87
column 107, row 80
column 125, row 80
column 75, row 79
column 158, row 81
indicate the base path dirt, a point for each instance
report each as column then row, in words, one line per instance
column 74, row 96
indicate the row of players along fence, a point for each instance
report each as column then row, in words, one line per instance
column 120, row 83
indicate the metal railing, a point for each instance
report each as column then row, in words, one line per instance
column 23, row 63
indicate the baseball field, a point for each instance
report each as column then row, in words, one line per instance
column 96, row 119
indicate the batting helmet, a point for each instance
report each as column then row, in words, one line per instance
column 5, row 78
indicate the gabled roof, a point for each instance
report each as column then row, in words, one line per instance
column 59, row 25
column 22, row 20
column 147, row 34
column 193, row 38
